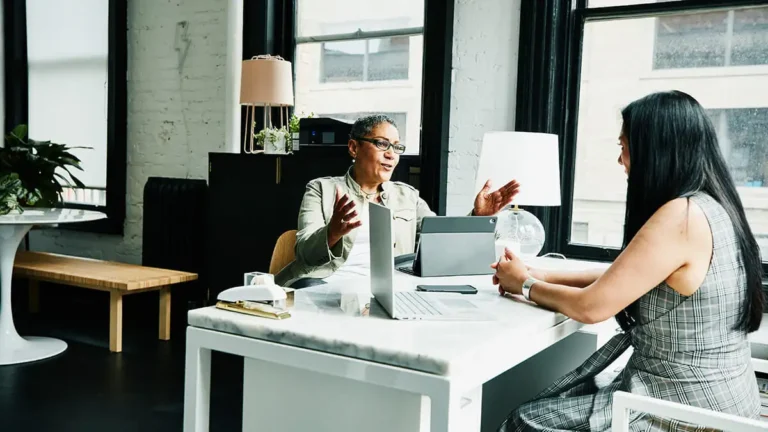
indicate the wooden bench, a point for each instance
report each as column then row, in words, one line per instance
column 118, row 279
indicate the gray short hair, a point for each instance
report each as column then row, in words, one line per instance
column 365, row 125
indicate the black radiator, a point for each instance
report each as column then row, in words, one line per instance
column 175, row 214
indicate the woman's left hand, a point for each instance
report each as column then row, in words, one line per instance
column 489, row 203
column 511, row 272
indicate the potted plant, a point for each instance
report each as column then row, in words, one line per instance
column 273, row 140
column 282, row 140
column 31, row 172
column 293, row 127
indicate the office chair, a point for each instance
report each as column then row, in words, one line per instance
column 284, row 251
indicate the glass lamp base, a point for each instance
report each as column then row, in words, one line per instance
column 520, row 231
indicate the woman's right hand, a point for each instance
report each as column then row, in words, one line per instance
column 342, row 222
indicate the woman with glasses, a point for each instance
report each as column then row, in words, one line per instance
column 329, row 245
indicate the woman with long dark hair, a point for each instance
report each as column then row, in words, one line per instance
column 686, row 288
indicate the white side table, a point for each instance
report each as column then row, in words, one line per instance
column 13, row 227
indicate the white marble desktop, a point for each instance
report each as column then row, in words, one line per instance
column 439, row 347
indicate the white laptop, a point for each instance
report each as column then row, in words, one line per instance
column 408, row 305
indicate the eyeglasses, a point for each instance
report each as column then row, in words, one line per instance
column 383, row 144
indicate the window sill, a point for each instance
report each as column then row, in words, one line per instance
column 112, row 225
column 363, row 85
column 708, row 72
column 603, row 259
column 104, row 226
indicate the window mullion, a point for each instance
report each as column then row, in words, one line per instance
column 729, row 38
column 365, row 60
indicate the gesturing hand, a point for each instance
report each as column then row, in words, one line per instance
column 489, row 203
column 342, row 222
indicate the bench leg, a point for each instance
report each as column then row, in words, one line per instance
column 165, row 313
column 115, row 321
column 34, row 296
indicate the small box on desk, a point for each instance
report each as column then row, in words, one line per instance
column 259, row 278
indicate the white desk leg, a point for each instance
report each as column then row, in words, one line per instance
column 471, row 406
column 445, row 410
column 197, row 386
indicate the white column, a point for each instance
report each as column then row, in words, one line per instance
column 232, row 85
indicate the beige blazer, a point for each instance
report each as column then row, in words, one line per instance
column 314, row 259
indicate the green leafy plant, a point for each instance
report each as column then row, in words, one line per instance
column 10, row 190
column 293, row 123
column 31, row 172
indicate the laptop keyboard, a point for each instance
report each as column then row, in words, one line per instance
column 412, row 303
column 407, row 270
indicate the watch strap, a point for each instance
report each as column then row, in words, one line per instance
column 527, row 287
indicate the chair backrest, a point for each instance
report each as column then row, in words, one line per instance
column 284, row 251
column 624, row 402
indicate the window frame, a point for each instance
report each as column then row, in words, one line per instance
column 357, row 36
column 17, row 106
column 560, row 28
column 269, row 26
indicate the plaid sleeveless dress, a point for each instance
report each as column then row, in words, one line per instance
column 686, row 350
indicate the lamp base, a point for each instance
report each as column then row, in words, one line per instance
column 520, row 231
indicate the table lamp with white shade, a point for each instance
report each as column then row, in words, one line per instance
column 266, row 81
column 533, row 160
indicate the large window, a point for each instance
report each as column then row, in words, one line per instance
column 719, row 56
column 67, row 57
column 69, row 86
column 354, row 57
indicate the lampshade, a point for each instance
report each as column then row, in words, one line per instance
column 531, row 158
column 266, row 81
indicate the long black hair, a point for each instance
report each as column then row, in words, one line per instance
column 673, row 153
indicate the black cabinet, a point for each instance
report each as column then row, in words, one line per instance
column 255, row 198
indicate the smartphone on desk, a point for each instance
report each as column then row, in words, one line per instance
column 461, row 289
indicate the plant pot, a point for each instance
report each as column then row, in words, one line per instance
column 275, row 144
column 295, row 139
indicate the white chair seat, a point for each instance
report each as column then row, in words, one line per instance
column 623, row 402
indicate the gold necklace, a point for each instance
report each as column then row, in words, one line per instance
column 369, row 196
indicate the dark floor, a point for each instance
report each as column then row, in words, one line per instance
column 88, row 388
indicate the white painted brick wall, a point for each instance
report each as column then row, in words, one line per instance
column 175, row 114
column 485, row 47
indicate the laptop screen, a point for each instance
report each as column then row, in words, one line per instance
column 382, row 256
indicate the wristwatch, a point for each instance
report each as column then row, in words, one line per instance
column 527, row 287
